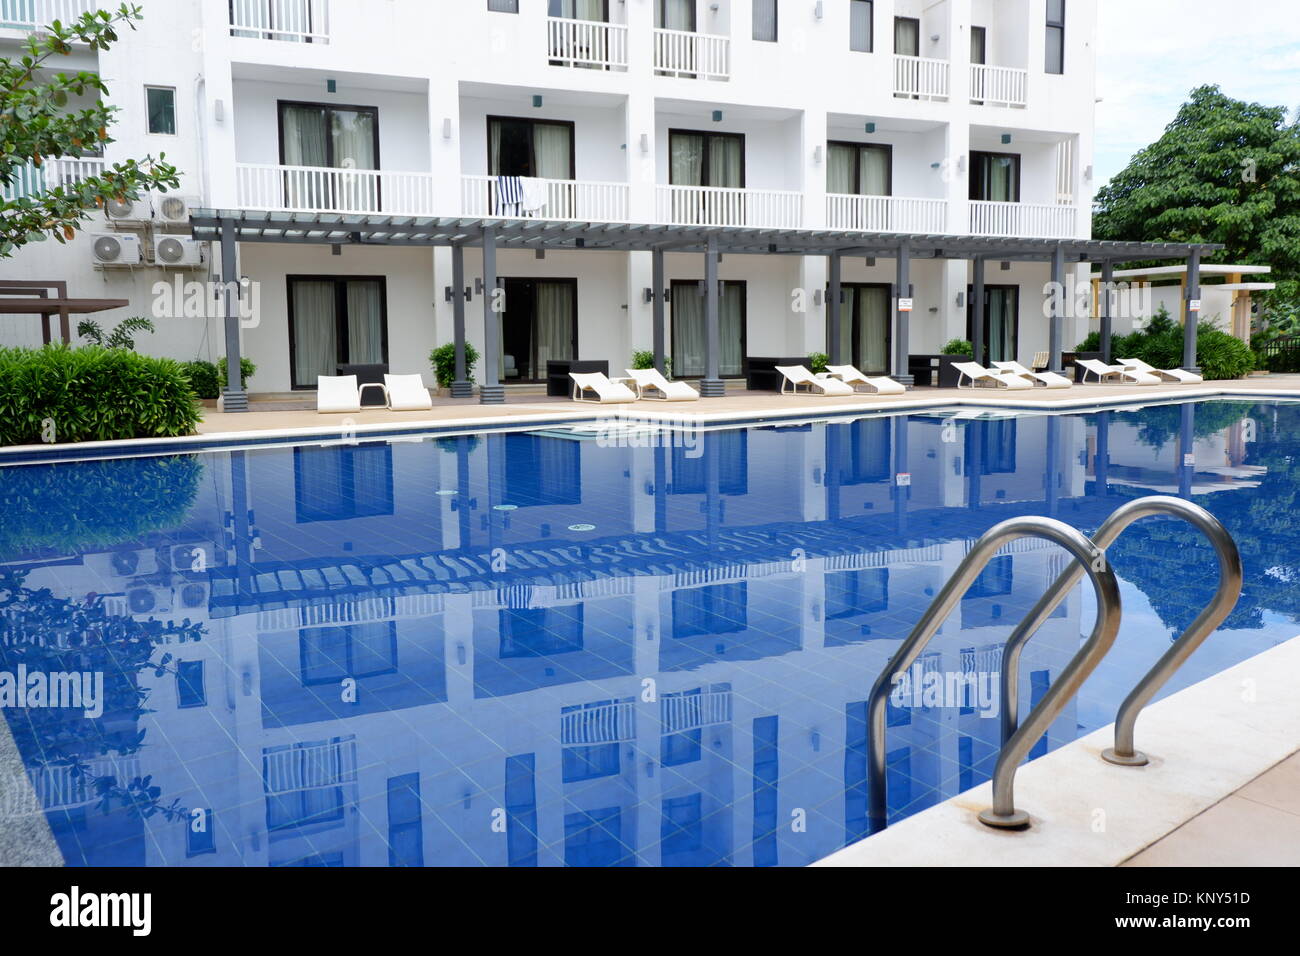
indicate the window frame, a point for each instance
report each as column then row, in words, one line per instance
column 993, row 155
column 704, row 162
column 1059, row 27
column 776, row 23
column 531, row 122
column 148, row 112
column 340, row 316
column 514, row 4
column 282, row 105
column 888, row 148
column 871, row 26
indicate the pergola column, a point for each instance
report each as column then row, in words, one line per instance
column 1192, row 315
column 903, row 290
column 711, row 386
column 835, row 312
column 657, row 311
column 1186, row 449
column 233, row 397
column 461, row 387
column 977, row 310
column 1058, row 307
column 1106, row 308
column 491, row 392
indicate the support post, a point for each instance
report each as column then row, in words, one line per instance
column 712, row 385
column 657, row 318
column 1192, row 315
column 977, row 311
column 233, row 396
column 1186, row 449
column 835, row 313
column 1107, row 308
column 902, row 291
column 491, row 392
column 1058, row 306
column 461, row 387
column 1101, row 458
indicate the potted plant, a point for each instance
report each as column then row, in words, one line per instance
column 443, row 360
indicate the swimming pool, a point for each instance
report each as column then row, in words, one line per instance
column 589, row 646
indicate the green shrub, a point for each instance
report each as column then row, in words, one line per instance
column 91, row 394
column 817, row 361
column 644, row 358
column 958, row 347
column 204, row 378
column 1219, row 354
column 443, row 360
column 122, row 337
column 246, row 371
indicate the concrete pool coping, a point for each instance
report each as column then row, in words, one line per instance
column 1208, row 743
column 25, row 837
column 466, row 416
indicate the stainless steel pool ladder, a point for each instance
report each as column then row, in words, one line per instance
column 1089, row 558
column 1214, row 614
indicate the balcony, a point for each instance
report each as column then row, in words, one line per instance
column 683, row 712
column 999, row 86
column 30, row 14
column 602, row 724
column 313, row 766
column 324, row 189
column 293, row 21
column 721, row 206
column 921, row 76
column 565, row 199
column 589, row 44
column 1023, row 220
column 700, row 56
column 52, row 174
column 886, row 214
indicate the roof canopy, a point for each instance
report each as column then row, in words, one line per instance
column 338, row 229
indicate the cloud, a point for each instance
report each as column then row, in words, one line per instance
column 1153, row 53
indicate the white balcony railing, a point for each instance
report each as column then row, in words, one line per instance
column 998, row 85
column 720, row 206
column 682, row 712
column 62, row 788
column 313, row 767
column 1022, row 220
column 321, row 189
column 295, row 21
column 52, row 174
column 565, row 199
column 593, row 44
column 921, row 76
column 886, row 214
column 30, row 14
column 695, row 55
column 605, row 724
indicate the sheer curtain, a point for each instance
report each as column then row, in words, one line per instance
column 555, row 312
column 839, row 169
column 688, row 330
column 731, row 328
column 315, row 332
column 1002, row 325
column 306, row 143
column 552, row 145
column 873, row 166
column 578, row 9
column 873, row 330
column 365, row 323
column 907, row 36
column 686, row 164
column 726, row 160
column 675, row 14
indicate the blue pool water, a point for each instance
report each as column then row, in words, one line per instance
column 566, row 647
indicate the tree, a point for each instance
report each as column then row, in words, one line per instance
column 36, row 125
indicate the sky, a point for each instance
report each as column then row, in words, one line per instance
column 1152, row 53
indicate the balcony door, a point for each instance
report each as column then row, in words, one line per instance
column 688, row 329
column 1001, row 322
column 675, row 15
column 539, row 324
column 859, row 169
column 333, row 321
column 907, row 36
column 995, row 177
column 316, row 135
column 864, row 329
column 715, row 160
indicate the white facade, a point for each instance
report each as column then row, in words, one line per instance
column 433, row 73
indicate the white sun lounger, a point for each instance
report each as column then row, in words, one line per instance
column 1106, row 372
column 406, row 393
column 1167, row 374
column 797, row 377
column 339, row 394
column 605, row 391
column 652, row 380
column 1046, row 379
column 981, row 376
column 849, row 375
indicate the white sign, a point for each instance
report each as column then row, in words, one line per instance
column 904, row 305
column 903, row 478
column 1194, row 305
column 1189, row 460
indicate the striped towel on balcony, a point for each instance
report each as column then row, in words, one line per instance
column 510, row 196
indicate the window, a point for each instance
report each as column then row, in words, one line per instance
column 334, row 484
column 1055, row 43
column 405, row 823
column 864, row 330
column 503, row 6
column 681, row 828
column 1001, row 322
column 331, row 137
column 706, row 159
column 907, row 36
column 190, row 691
column 994, row 581
column 542, row 471
column 765, row 20
column 675, row 15
column 595, row 10
column 521, row 810
column 593, row 838
column 730, row 449
column 978, row 45
column 766, row 775
column 860, row 26
column 688, row 329
column 527, row 147
column 590, row 761
column 859, row 169
column 682, row 746
column 850, row 593
column 304, row 783
column 716, row 609
column 328, row 655
column 199, row 838
column 995, row 177
column 539, row 325
column 161, row 102
column 539, row 631
column 335, row 321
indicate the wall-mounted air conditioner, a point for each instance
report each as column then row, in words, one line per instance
column 147, row 600
column 173, row 210
column 115, row 250
column 129, row 212
column 178, row 252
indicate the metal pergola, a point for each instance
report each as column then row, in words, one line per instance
column 231, row 227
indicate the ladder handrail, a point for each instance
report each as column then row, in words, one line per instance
column 1214, row 613
column 1085, row 660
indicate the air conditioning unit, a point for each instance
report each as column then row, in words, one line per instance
column 116, row 250
column 129, row 212
column 173, row 210
column 133, row 564
column 177, row 251
column 145, row 600
column 194, row 595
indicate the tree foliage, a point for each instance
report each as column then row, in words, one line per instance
column 36, row 126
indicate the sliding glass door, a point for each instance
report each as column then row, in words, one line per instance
column 859, row 169
column 715, row 160
column 675, row 15
column 331, row 137
column 335, row 321
column 597, row 10
column 907, row 36
column 864, row 327
column 540, row 149
column 688, row 329
column 539, row 324
column 1001, row 323
column 995, row 177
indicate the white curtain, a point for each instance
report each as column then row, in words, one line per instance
column 873, row 166
column 555, row 315
column 552, row 146
column 765, row 20
column 365, row 323
column 688, row 330
column 354, row 148
column 686, row 164
column 907, row 36
column 873, row 329
column 315, row 334
column 675, row 14
column 1002, row 325
column 731, row 316
column 839, row 169
column 578, row 9
column 726, row 161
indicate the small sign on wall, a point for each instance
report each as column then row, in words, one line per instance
column 1189, row 460
column 1194, row 305
column 904, row 305
column 903, row 479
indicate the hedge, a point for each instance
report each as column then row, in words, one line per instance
column 208, row 379
column 1218, row 354
column 61, row 394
